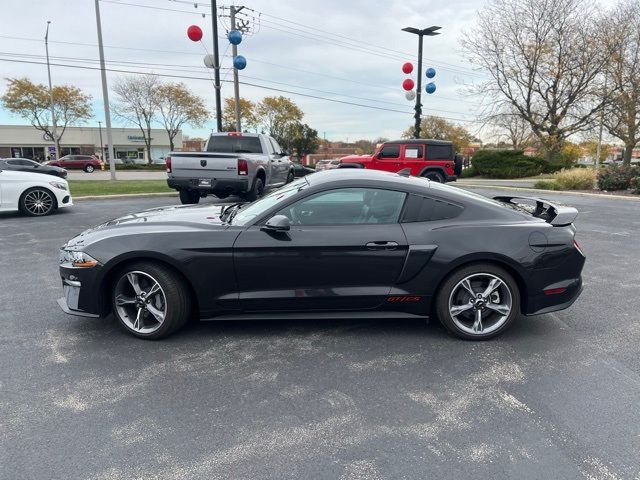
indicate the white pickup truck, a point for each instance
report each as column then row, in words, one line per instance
column 233, row 163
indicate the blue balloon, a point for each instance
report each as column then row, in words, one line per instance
column 240, row 62
column 431, row 72
column 431, row 87
column 235, row 37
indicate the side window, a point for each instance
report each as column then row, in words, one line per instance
column 439, row 152
column 413, row 151
column 347, row 206
column 276, row 148
column 423, row 209
column 390, row 151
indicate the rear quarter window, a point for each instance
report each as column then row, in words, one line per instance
column 437, row 152
column 425, row 209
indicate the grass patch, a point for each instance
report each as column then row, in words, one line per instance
column 546, row 185
column 82, row 188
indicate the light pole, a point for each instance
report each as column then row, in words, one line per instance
column 105, row 96
column 53, row 114
column 429, row 32
column 101, row 145
column 236, row 81
column 216, row 64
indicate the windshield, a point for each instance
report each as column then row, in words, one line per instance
column 234, row 144
column 247, row 213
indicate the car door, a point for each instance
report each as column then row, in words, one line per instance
column 413, row 156
column 281, row 163
column 388, row 159
column 344, row 251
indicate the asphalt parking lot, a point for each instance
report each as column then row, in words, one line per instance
column 557, row 396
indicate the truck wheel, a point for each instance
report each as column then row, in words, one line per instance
column 257, row 191
column 434, row 176
column 290, row 176
column 188, row 197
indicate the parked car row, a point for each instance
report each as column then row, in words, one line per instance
column 88, row 163
column 27, row 165
column 33, row 194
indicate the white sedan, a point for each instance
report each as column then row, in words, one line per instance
column 34, row 194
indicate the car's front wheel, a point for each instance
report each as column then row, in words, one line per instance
column 89, row 168
column 37, row 202
column 189, row 197
column 150, row 300
column 478, row 302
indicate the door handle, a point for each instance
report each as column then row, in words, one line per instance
column 381, row 245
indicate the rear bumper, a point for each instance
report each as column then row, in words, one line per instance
column 540, row 304
column 224, row 186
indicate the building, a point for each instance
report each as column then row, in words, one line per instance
column 27, row 142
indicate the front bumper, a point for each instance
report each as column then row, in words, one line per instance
column 81, row 292
column 63, row 198
column 218, row 186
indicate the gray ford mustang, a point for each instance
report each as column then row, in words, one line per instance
column 334, row 244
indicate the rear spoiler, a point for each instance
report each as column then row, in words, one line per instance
column 553, row 213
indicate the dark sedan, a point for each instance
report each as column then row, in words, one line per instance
column 300, row 170
column 336, row 244
column 26, row 165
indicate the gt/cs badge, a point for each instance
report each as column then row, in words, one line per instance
column 404, row 298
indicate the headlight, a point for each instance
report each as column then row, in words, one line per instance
column 59, row 185
column 69, row 258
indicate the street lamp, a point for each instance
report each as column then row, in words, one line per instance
column 429, row 32
column 53, row 115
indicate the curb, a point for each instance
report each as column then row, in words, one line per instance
column 126, row 195
column 561, row 192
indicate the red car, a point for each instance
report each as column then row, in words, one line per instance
column 433, row 159
column 88, row 163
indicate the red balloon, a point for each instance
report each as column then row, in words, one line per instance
column 407, row 67
column 194, row 32
column 408, row 84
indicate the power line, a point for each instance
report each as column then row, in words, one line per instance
column 333, row 100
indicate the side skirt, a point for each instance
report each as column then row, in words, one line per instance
column 318, row 316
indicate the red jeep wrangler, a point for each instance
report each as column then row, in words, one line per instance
column 433, row 159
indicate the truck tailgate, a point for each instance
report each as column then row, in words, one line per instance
column 203, row 165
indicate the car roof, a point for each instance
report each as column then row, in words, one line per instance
column 420, row 141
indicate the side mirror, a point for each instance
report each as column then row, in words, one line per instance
column 279, row 223
column 285, row 153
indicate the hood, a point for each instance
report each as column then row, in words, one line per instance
column 355, row 158
column 174, row 218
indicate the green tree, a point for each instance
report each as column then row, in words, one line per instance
column 437, row 128
column 276, row 114
column 302, row 138
column 248, row 118
column 178, row 106
column 31, row 101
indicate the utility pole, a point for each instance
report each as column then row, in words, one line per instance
column 101, row 144
column 105, row 96
column 599, row 146
column 216, row 64
column 430, row 32
column 236, row 81
column 54, row 133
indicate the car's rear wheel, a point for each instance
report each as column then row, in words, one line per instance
column 478, row 302
column 435, row 176
column 150, row 300
column 290, row 176
column 189, row 197
column 37, row 202
column 257, row 191
column 89, row 168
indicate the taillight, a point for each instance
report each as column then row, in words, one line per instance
column 243, row 167
column 575, row 244
column 168, row 163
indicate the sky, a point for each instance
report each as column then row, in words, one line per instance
column 341, row 50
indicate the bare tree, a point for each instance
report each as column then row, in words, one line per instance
column 545, row 60
column 622, row 114
column 512, row 126
column 137, row 103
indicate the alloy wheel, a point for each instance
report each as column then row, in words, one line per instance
column 38, row 202
column 140, row 302
column 480, row 303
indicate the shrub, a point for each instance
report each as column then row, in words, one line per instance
column 616, row 177
column 469, row 172
column 634, row 185
column 546, row 185
column 507, row 164
column 576, row 179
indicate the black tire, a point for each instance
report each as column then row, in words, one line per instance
column 290, row 176
column 177, row 305
column 435, row 176
column 257, row 191
column 462, row 325
column 189, row 197
column 37, row 202
column 89, row 168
